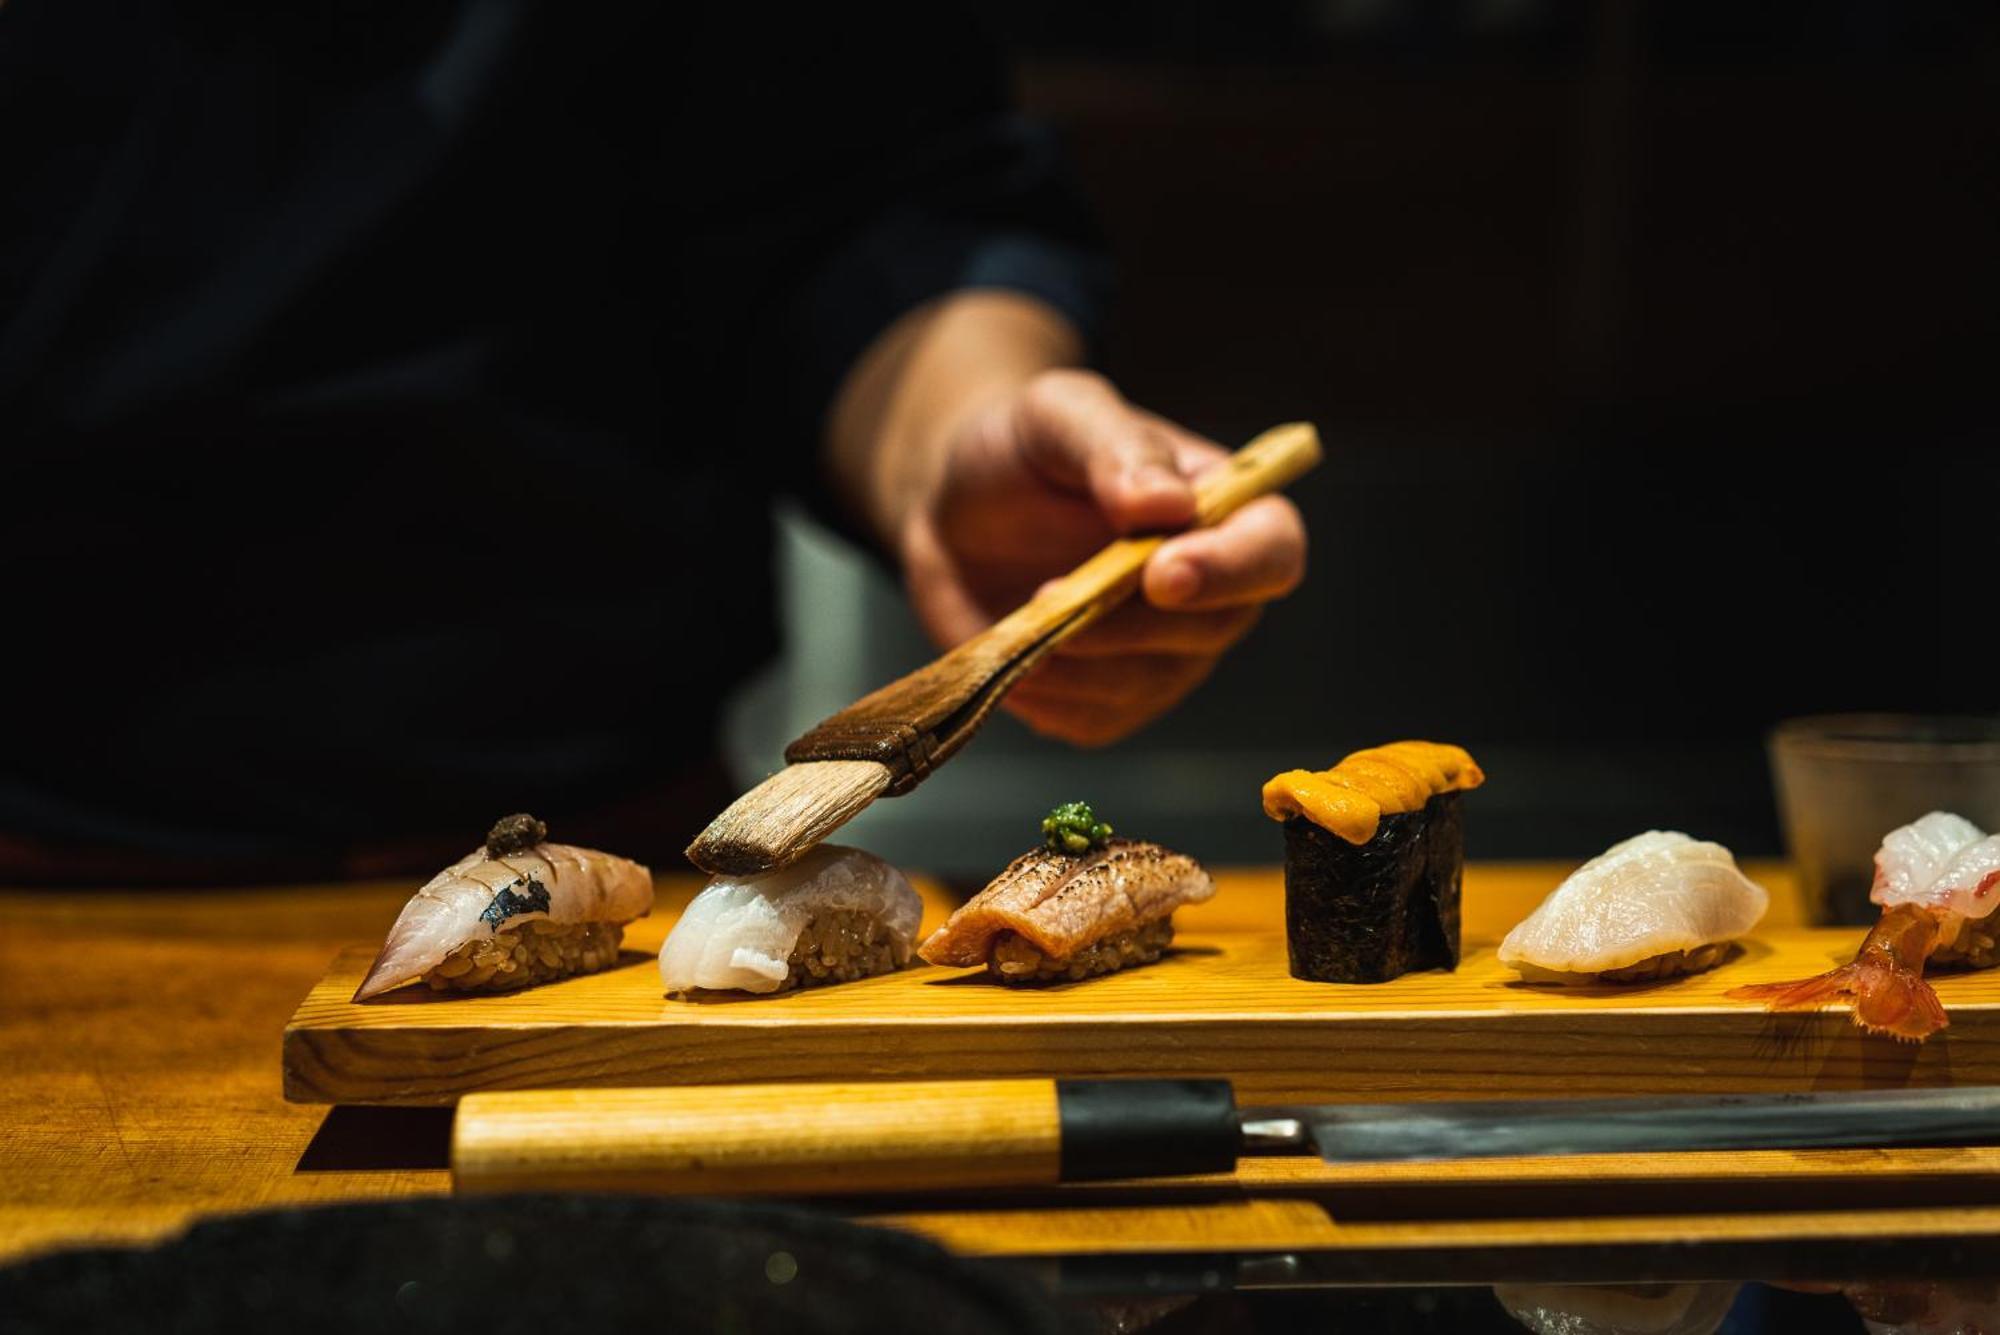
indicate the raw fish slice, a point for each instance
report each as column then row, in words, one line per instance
column 482, row 896
column 1061, row 904
column 834, row 915
column 1657, row 895
column 1912, row 856
column 1965, row 886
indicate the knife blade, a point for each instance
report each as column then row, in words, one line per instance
column 1352, row 1133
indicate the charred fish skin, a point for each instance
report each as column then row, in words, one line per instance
column 526, row 895
column 1056, row 917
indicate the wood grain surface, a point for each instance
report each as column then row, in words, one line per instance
column 140, row 1038
column 1222, row 1004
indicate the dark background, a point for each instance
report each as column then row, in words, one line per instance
column 1654, row 345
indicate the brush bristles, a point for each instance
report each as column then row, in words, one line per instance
column 789, row 813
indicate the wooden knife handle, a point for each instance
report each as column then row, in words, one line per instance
column 738, row 1140
column 912, row 725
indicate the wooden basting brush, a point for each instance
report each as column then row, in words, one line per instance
column 890, row 740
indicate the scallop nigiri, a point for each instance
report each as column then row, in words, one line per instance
column 1656, row 905
column 835, row 915
column 512, row 913
column 1935, row 879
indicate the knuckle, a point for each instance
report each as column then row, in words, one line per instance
column 1058, row 392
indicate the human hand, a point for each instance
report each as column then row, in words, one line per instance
column 1038, row 479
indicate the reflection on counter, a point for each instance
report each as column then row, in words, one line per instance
column 1618, row 1309
column 1888, row 1307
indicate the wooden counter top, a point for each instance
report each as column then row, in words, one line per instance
column 140, row 1032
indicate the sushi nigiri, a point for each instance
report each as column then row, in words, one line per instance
column 1374, row 861
column 1935, row 879
column 1657, row 905
column 512, row 913
column 835, row 915
column 1082, row 904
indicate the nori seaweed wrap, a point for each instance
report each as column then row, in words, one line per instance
column 1366, row 913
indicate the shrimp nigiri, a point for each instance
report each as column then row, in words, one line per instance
column 512, row 913
column 1935, row 880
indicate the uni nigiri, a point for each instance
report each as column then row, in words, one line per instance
column 835, row 915
column 512, row 913
column 1654, row 906
column 1082, row 904
column 1374, row 861
column 1935, row 879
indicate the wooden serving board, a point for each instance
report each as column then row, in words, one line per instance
column 1221, row 1004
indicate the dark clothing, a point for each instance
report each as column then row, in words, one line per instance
column 394, row 394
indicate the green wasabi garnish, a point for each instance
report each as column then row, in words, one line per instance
column 1074, row 828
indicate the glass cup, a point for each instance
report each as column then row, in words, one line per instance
column 1845, row 780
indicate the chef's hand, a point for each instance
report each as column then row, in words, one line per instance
column 1004, row 473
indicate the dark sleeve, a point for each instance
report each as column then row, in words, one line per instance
column 859, row 167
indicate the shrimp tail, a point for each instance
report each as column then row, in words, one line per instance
column 1888, row 1002
column 1885, row 980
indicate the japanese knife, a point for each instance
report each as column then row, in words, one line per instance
column 798, row 1139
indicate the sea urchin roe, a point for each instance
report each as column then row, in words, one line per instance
column 1074, row 828
column 1350, row 799
column 514, row 834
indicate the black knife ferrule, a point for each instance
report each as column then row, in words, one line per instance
column 1146, row 1128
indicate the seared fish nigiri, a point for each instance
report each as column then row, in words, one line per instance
column 1936, row 880
column 512, row 913
column 1656, row 905
column 835, row 915
column 1059, row 916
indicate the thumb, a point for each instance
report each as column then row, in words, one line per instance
column 1076, row 431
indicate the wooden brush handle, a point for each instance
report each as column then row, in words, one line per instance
column 737, row 1140
column 910, row 726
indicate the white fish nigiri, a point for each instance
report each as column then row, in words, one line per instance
column 511, row 913
column 834, row 915
column 1658, row 904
